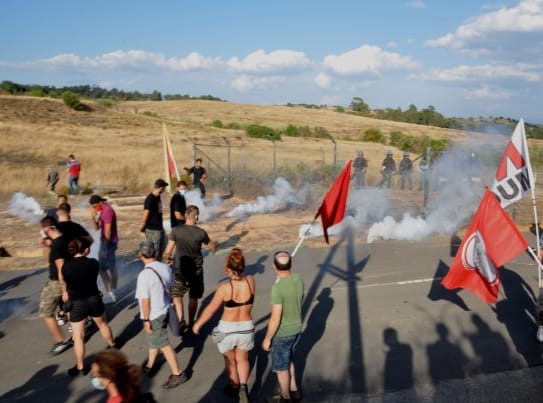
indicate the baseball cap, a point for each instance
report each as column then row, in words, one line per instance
column 147, row 248
column 161, row 183
column 94, row 199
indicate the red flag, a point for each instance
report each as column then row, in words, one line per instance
column 332, row 209
column 491, row 240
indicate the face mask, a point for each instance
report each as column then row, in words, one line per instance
column 43, row 234
column 182, row 192
column 98, row 207
column 96, row 384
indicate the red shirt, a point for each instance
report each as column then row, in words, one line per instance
column 73, row 168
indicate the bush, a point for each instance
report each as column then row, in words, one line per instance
column 234, row 126
column 374, row 136
column 37, row 92
column 106, row 103
column 72, row 101
column 150, row 114
column 217, row 123
column 262, row 132
column 292, row 131
column 340, row 109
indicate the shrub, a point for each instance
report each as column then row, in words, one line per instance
column 37, row 92
column 217, row 123
column 374, row 136
column 292, row 131
column 234, row 126
column 340, row 109
column 150, row 114
column 262, row 132
column 72, row 101
column 106, row 103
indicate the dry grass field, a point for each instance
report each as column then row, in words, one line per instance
column 122, row 145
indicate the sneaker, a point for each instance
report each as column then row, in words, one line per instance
column 146, row 370
column 295, row 395
column 61, row 319
column 112, row 297
column 279, row 399
column 231, row 390
column 106, row 298
column 175, row 380
column 539, row 334
column 116, row 344
column 243, row 393
column 69, row 328
column 60, row 347
column 74, row 371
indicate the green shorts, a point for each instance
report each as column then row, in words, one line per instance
column 50, row 297
column 159, row 337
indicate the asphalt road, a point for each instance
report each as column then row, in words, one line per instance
column 378, row 327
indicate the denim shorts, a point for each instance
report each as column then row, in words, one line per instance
column 106, row 255
column 282, row 351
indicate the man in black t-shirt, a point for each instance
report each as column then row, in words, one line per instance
column 188, row 270
column 69, row 229
column 152, row 224
column 178, row 205
column 52, row 291
column 199, row 176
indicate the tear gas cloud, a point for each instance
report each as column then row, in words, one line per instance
column 26, row 207
column 282, row 198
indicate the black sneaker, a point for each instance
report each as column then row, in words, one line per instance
column 231, row 390
column 175, row 380
column 146, row 370
column 60, row 347
column 74, row 371
column 295, row 395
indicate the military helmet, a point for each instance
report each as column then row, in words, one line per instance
column 389, row 152
column 406, row 154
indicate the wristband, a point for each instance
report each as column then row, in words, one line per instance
column 145, row 320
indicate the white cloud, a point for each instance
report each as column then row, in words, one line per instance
column 278, row 61
column 415, row 4
column 323, row 80
column 367, row 59
column 392, row 44
column 120, row 59
column 522, row 71
column 495, row 94
column 526, row 17
column 245, row 83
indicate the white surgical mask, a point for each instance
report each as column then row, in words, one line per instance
column 96, row 384
column 43, row 234
column 182, row 192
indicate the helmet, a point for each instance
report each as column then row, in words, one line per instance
column 360, row 152
column 406, row 154
column 389, row 152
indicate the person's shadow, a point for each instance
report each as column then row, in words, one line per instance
column 315, row 328
column 518, row 313
column 398, row 362
column 490, row 347
column 445, row 359
column 40, row 387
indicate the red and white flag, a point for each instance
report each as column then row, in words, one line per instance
column 170, row 166
column 491, row 240
column 332, row 209
column 514, row 177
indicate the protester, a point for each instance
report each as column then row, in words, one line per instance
column 152, row 292
column 152, row 224
column 199, row 176
column 406, row 169
column 74, row 168
column 388, row 169
column 52, row 180
column 52, row 212
column 45, row 242
column 360, row 167
column 188, row 240
column 178, row 204
column 70, row 229
column 104, row 218
column 112, row 372
column 236, row 297
column 285, row 325
column 80, row 274
column 52, row 292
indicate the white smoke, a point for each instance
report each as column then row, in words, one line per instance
column 283, row 197
column 456, row 191
column 364, row 206
column 26, row 207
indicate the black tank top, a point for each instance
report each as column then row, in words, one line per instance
column 233, row 304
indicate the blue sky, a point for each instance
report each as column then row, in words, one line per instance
column 464, row 57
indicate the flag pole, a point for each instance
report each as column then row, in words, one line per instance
column 305, row 234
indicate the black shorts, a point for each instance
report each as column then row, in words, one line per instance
column 92, row 306
column 193, row 283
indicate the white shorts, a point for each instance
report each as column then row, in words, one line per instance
column 232, row 340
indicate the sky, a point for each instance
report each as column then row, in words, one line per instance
column 466, row 58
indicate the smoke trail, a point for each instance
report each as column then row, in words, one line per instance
column 283, row 197
column 458, row 185
column 26, row 207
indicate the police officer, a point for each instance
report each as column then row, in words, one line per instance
column 388, row 169
column 406, row 169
